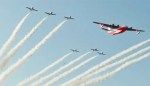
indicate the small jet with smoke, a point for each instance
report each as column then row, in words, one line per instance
column 116, row 29
column 75, row 50
column 31, row 8
column 95, row 49
column 68, row 17
column 50, row 13
column 101, row 53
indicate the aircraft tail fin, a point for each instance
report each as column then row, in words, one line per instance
column 139, row 31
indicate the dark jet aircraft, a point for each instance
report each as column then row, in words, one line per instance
column 116, row 29
column 74, row 50
column 50, row 13
column 94, row 49
column 101, row 53
column 31, row 8
column 69, row 17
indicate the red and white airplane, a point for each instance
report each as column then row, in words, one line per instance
column 116, row 29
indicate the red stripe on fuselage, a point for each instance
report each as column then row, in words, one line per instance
column 117, row 31
column 122, row 29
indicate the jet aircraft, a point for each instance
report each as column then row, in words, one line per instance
column 50, row 13
column 68, row 17
column 31, row 8
column 94, row 49
column 101, row 53
column 74, row 50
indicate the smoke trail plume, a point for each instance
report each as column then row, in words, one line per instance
column 136, row 54
column 12, row 52
column 42, row 72
column 110, row 74
column 27, row 56
column 67, row 72
column 107, row 61
column 64, row 68
column 7, row 45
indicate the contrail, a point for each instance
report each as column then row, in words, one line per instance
column 64, row 68
column 12, row 52
column 107, row 61
column 86, row 78
column 110, row 74
column 7, row 45
column 27, row 56
column 67, row 72
column 42, row 72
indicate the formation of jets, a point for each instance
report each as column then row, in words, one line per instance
column 110, row 28
column 48, row 13
column 116, row 29
column 94, row 50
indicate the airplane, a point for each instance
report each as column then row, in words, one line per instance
column 69, row 17
column 94, row 49
column 50, row 13
column 101, row 53
column 31, row 8
column 116, row 29
column 74, row 50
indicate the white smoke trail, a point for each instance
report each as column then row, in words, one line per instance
column 27, row 56
column 86, row 78
column 42, row 72
column 12, row 52
column 107, row 61
column 64, row 68
column 110, row 74
column 7, row 45
column 67, row 72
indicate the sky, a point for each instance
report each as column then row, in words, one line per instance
column 79, row 33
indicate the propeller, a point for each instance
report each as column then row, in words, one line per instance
column 113, row 24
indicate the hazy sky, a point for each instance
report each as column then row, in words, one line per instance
column 79, row 33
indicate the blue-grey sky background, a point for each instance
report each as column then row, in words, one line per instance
column 79, row 33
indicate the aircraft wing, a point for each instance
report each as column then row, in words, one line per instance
column 29, row 8
column 35, row 10
column 96, row 22
column 107, row 25
column 130, row 29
